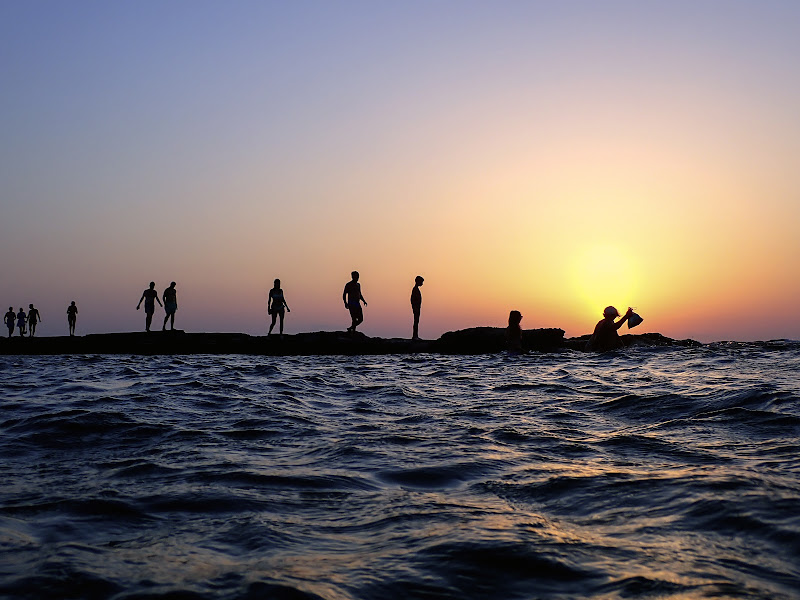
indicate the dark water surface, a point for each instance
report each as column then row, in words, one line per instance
column 651, row 473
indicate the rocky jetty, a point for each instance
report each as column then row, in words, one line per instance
column 476, row 340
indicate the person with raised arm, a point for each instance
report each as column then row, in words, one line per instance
column 605, row 336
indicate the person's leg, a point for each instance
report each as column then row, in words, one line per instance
column 172, row 320
column 416, row 325
column 148, row 320
column 281, row 316
column 272, row 326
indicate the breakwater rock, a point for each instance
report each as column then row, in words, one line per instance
column 476, row 340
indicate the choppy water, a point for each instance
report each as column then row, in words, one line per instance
column 650, row 473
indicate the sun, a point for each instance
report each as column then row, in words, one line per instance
column 602, row 275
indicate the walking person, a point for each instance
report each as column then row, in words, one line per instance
column 9, row 320
column 150, row 297
column 170, row 306
column 72, row 317
column 352, row 301
column 22, row 319
column 276, row 304
column 33, row 318
column 416, row 305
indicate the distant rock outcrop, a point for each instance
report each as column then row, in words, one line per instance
column 476, row 340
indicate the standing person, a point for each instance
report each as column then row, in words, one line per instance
column 276, row 304
column 150, row 297
column 170, row 305
column 416, row 305
column 21, row 320
column 352, row 300
column 514, row 332
column 605, row 336
column 72, row 317
column 9, row 320
column 33, row 318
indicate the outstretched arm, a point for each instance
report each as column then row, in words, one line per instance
column 624, row 318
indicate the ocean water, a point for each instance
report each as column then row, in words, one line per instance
column 647, row 473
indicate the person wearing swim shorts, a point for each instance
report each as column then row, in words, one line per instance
column 150, row 297
column 170, row 306
column 352, row 301
column 33, row 318
column 9, row 320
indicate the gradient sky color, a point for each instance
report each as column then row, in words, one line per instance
column 550, row 157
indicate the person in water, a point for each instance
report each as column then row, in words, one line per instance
column 352, row 301
column 170, row 306
column 72, row 317
column 33, row 318
column 416, row 305
column 9, row 320
column 605, row 336
column 22, row 318
column 276, row 305
column 150, row 297
column 514, row 332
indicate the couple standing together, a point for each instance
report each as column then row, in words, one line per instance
column 150, row 297
column 353, row 298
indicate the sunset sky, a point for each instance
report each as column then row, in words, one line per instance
column 550, row 157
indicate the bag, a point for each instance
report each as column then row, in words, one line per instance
column 634, row 320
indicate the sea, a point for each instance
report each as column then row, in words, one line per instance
column 644, row 473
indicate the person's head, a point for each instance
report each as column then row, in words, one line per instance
column 277, row 284
column 152, row 285
column 20, row 309
column 610, row 312
column 354, row 275
column 418, row 280
column 514, row 318
column 11, row 308
column 30, row 306
column 172, row 285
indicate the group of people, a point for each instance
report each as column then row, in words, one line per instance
column 26, row 323
column 604, row 337
column 150, row 297
column 277, row 307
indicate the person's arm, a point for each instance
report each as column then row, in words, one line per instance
column 362, row 299
column 344, row 296
column 286, row 305
column 624, row 318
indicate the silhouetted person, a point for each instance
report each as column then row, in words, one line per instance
column 33, row 318
column 605, row 336
column 72, row 317
column 9, row 320
column 170, row 305
column 514, row 332
column 416, row 305
column 276, row 304
column 352, row 301
column 150, row 297
column 21, row 320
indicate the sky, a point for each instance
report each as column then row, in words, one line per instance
column 547, row 157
